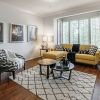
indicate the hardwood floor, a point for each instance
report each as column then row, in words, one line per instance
column 12, row 91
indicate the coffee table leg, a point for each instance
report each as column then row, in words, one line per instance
column 40, row 70
column 47, row 72
column 70, row 74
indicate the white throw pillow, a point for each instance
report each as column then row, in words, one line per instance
column 10, row 54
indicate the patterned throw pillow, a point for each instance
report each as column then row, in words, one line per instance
column 3, row 57
column 84, row 51
column 92, row 50
column 81, row 52
column 59, row 47
column 68, row 49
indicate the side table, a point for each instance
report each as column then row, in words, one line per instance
column 43, row 49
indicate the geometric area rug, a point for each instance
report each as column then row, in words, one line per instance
column 79, row 87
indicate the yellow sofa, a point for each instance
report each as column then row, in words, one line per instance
column 81, row 58
column 58, row 55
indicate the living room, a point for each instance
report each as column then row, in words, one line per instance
column 51, row 33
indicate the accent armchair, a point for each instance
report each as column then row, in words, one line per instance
column 10, row 62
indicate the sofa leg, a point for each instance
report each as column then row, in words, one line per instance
column 95, row 66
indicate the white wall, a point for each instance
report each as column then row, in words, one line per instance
column 50, row 22
column 10, row 14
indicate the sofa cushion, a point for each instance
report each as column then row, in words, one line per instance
column 67, row 46
column 84, row 47
column 85, row 56
column 92, row 50
column 54, row 54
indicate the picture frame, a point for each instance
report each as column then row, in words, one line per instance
column 32, row 33
column 1, row 32
column 17, row 33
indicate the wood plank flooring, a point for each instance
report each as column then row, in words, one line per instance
column 11, row 91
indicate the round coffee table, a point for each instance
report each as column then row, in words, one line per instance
column 47, row 63
column 61, row 69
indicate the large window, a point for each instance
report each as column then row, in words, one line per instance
column 95, row 31
column 65, row 32
column 82, row 31
column 74, row 32
column 59, row 32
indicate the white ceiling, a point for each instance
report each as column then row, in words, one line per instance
column 45, row 7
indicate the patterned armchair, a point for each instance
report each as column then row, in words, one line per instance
column 10, row 64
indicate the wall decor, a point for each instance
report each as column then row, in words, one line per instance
column 32, row 32
column 1, row 32
column 16, row 33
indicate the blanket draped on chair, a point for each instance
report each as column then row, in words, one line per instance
column 12, row 57
column 71, row 55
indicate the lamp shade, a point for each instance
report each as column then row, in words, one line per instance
column 44, row 38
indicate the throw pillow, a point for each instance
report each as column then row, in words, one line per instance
column 64, row 49
column 92, row 50
column 81, row 52
column 59, row 47
column 84, row 51
column 3, row 57
column 87, row 51
column 68, row 49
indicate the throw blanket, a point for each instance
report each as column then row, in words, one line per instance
column 71, row 57
column 12, row 57
column 75, row 47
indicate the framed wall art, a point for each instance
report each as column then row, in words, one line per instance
column 16, row 33
column 32, row 33
column 1, row 32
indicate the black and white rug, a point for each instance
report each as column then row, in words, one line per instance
column 80, row 86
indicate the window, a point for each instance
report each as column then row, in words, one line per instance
column 65, row 32
column 59, row 32
column 95, row 31
column 79, row 31
column 74, row 32
column 84, row 31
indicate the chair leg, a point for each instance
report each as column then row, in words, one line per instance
column 24, row 66
column 13, row 72
column 0, row 78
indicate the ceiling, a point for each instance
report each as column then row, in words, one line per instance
column 45, row 7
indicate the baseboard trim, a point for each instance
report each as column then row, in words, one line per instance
column 32, row 59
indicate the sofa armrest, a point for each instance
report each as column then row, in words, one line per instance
column 19, row 56
column 97, row 54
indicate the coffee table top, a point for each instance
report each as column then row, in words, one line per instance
column 46, row 62
column 70, row 66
